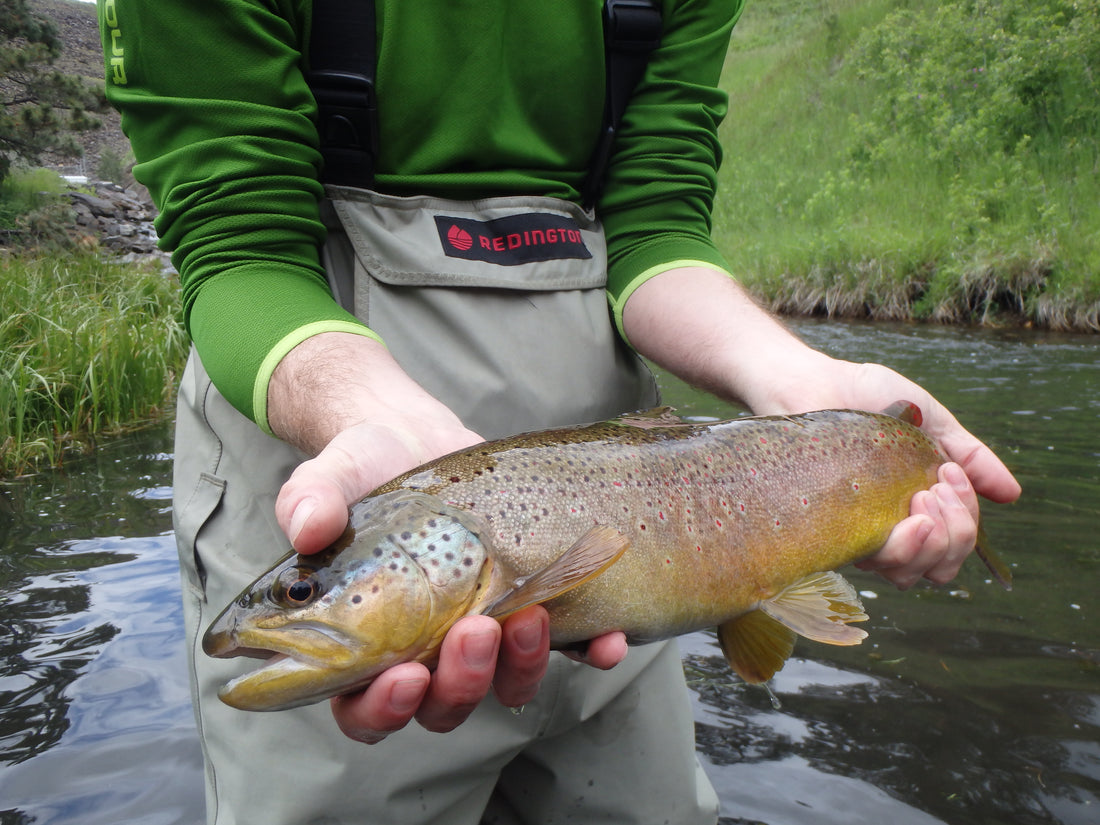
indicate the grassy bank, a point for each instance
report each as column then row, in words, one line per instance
column 917, row 159
column 87, row 348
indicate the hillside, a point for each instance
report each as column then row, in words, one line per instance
column 82, row 56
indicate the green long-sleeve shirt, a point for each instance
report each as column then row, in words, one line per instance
column 476, row 98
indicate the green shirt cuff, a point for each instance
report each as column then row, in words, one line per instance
column 279, row 351
column 618, row 302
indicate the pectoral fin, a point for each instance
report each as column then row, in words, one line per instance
column 589, row 556
column 819, row 607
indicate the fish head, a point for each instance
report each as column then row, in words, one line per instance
column 407, row 567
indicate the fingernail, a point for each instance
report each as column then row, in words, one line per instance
column 529, row 637
column 406, row 694
column 479, row 649
column 954, row 475
column 306, row 508
column 925, row 528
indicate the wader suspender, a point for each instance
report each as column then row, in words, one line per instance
column 342, row 68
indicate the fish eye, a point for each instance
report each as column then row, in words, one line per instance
column 301, row 591
column 295, row 588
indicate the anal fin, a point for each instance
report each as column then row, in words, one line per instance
column 590, row 555
column 820, row 607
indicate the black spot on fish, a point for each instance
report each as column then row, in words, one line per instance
column 468, row 562
column 446, row 537
column 357, row 598
column 377, row 552
column 406, row 535
column 393, row 565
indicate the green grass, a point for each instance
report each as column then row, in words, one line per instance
column 883, row 161
column 87, row 348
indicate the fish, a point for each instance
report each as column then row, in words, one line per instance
column 645, row 524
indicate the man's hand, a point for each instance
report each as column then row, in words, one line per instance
column 367, row 425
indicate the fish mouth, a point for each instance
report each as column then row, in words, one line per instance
column 290, row 676
column 308, row 643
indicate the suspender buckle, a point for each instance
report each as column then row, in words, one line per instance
column 347, row 123
column 632, row 25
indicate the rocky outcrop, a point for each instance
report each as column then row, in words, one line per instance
column 118, row 220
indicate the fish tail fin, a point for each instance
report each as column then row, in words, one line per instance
column 997, row 566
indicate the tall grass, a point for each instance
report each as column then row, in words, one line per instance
column 901, row 159
column 87, row 348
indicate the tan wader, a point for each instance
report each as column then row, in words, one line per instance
column 478, row 303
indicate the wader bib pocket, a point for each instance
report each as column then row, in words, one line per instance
column 497, row 307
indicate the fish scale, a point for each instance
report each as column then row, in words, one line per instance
column 644, row 524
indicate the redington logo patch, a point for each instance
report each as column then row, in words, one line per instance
column 512, row 240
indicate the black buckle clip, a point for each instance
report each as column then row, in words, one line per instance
column 347, row 124
column 632, row 25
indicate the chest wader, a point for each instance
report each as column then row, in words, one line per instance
column 497, row 307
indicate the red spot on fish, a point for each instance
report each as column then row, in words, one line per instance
column 855, row 486
column 661, row 516
column 718, row 522
column 763, row 441
column 805, row 501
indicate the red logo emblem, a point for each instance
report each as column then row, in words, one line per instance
column 459, row 238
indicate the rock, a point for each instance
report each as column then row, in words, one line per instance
column 120, row 220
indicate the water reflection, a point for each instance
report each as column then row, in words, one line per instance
column 966, row 705
column 95, row 721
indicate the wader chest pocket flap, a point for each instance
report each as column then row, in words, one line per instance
column 527, row 243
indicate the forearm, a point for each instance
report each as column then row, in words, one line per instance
column 701, row 325
column 334, row 381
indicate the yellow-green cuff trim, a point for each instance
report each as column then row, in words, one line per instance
column 618, row 303
column 279, row 351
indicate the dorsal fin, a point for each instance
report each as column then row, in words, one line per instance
column 648, row 419
column 906, row 411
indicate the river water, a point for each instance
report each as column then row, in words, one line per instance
column 968, row 705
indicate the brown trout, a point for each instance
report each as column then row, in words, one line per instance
column 643, row 524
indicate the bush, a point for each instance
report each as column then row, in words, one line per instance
column 981, row 76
